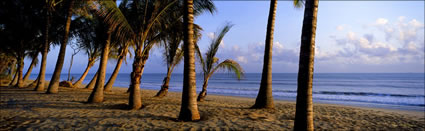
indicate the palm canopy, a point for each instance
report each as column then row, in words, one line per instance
column 210, row 63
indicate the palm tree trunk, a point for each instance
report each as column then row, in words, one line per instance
column 189, row 106
column 15, row 76
column 41, row 75
column 265, row 98
column 92, row 82
column 97, row 94
column 78, row 83
column 304, row 105
column 164, row 88
column 203, row 93
column 12, row 70
column 20, row 83
column 54, row 81
column 70, row 66
column 33, row 62
column 135, row 99
column 110, row 83
column 34, row 83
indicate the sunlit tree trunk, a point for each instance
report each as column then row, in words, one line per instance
column 92, row 81
column 33, row 62
column 110, row 83
column 42, row 74
column 20, row 83
column 54, row 81
column 78, row 83
column 265, row 97
column 203, row 93
column 97, row 94
column 15, row 76
column 304, row 106
column 135, row 99
column 189, row 106
column 165, row 85
column 34, row 83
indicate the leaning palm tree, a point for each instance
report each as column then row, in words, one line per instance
column 121, row 56
column 54, row 81
column 34, row 62
column 265, row 98
column 211, row 63
column 304, row 105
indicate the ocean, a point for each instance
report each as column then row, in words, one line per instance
column 403, row 91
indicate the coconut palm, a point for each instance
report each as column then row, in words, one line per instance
column 140, row 23
column 304, row 105
column 54, row 81
column 172, row 53
column 189, row 106
column 210, row 63
column 34, row 61
column 265, row 98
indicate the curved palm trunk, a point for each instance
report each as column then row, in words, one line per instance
column 97, row 94
column 203, row 93
column 54, row 81
column 92, row 81
column 41, row 75
column 304, row 105
column 20, row 83
column 110, row 83
column 265, row 98
column 165, row 85
column 33, row 62
column 78, row 83
column 189, row 105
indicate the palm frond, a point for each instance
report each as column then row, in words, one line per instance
column 298, row 3
column 230, row 66
column 215, row 44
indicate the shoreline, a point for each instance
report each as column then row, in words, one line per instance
column 27, row 109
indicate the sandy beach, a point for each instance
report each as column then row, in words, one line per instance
column 28, row 109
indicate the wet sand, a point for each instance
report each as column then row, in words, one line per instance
column 27, row 109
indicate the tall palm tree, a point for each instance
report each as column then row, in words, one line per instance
column 92, row 81
column 211, row 63
column 304, row 105
column 265, row 98
column 54, row 81
column 189, row 106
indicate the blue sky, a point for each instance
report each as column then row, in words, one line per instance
column 352, row 36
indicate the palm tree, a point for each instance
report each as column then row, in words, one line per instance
column 34, row 62
column 211, row 63
column 265, row 98
column 122, row 53
column 92, row 81
column 88, row 30
column 54, row 81
column 189, row 106
column 304, row 106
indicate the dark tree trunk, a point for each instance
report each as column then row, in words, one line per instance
column 92, row 81
column 33, row 62
column 265, row 97
column 54, row 81
column 304, row 106
column 203, row 93
column 189, row 106
column 97, row 94
column 110, row 83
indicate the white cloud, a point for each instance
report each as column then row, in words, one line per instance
column 340, row 28
column 211, row 35
column 381, row 21
column 242, row 59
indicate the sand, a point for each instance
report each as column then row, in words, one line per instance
column 27, row 109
